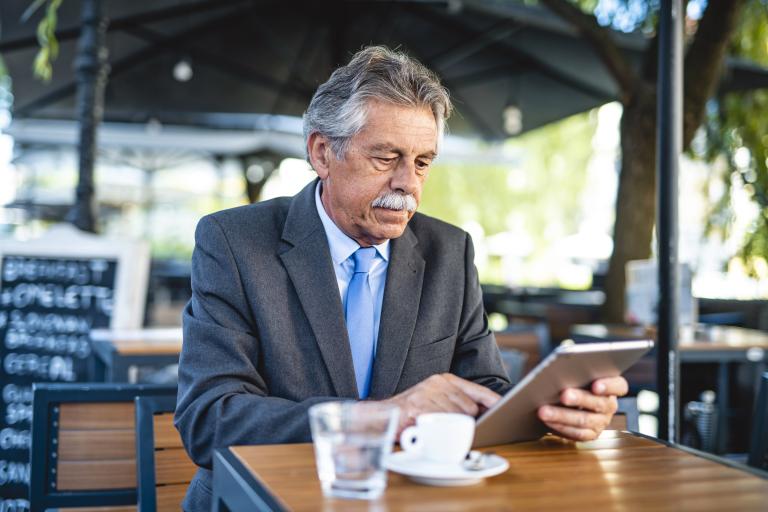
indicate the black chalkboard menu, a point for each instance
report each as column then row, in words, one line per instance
column 48, row 306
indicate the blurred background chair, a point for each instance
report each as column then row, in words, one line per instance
column 758, row 446
column 514, row 363
column 532, row 339
column 627, row 416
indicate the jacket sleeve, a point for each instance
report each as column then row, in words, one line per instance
column 222, row 398
column 477, row 356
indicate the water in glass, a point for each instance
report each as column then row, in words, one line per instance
column 351, row 441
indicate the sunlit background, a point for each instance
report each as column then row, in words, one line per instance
column 541, row 214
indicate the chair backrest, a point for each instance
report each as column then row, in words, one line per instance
column 627, row 417
column 531, row 339
column 758, row 446
column 163, row 468
column 514, row 363
column 83, row 444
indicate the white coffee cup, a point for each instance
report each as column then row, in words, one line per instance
column 440, row 437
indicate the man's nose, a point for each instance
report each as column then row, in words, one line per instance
column 405, row 179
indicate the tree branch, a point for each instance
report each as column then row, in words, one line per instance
column 704, row 60
column 600, row 39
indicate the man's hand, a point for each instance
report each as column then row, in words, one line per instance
column 598, row 406
column 442, row 393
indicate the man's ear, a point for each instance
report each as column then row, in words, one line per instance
column 319, row 151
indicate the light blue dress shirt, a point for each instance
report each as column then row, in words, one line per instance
column 342, row 247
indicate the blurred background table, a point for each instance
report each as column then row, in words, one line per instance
column 619, row 471
column 702, row 343
column 119, row 352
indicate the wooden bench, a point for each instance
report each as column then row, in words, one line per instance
column 164, row 470
column 83, row 444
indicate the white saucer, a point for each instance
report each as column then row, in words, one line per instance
column 433, row 473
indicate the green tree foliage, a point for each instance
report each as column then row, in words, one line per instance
column 710, row 28
column 542, row 191
column 737, row 127
column 46, row 36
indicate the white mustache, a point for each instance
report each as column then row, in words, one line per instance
column 395, row 201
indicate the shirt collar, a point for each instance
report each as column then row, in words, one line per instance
column 342, row 246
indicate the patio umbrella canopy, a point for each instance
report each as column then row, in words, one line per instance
column 510, row 68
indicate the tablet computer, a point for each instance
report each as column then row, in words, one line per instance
column 514, row 417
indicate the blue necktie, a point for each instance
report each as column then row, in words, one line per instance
column 359, row 317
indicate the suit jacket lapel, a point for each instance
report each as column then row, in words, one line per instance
column 307, row 259
column 402, row 293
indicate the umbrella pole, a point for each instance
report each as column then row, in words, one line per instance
column 670, row 136
column 91, row 70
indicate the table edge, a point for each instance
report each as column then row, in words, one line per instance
column 708, row 456
column 270, row 500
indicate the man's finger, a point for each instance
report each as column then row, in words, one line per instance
column 578, row 419
column 585, row 400
column 440, row 402
column 447, row 392
column 616, row 386
column 574, row 433
column 467, row 404
column 480, row 394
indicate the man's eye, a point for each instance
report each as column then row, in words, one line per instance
column 421, row 164
column 385, row 161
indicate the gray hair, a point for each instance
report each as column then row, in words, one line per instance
column 338, row 109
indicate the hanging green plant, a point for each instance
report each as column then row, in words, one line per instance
column 46, row 37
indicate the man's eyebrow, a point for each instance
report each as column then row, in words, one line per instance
column 393, row 149
column 383, row 146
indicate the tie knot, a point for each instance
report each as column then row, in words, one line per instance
column 364, row 258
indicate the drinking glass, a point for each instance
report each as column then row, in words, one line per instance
column 351, row 441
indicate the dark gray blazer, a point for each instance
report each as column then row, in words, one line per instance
column 264, row 332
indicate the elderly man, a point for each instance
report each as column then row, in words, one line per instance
column 343, row 291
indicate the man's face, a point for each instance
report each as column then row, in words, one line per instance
column 391, row 154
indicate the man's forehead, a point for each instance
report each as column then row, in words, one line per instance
column 399, row 125
column 403, row 139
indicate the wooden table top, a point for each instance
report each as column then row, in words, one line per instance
column 157, row 341
column 619, row 471
column 137, row 347
column 702, row 337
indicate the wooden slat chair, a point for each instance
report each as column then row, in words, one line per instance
column 163, row 468
column 83, row 445
column 758, row 446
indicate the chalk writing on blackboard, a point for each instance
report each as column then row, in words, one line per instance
column 48, row 306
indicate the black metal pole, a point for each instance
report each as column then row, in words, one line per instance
column 669, row 143
column 91, row 69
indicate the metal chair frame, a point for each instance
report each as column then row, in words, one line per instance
column 146, row 408
column 45, row 432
